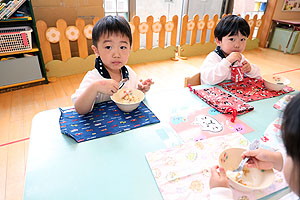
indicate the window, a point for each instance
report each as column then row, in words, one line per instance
column 116, row 7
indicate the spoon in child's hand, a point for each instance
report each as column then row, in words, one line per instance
column 122, row 82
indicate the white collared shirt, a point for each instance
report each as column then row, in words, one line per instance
column 93, row 75
column 215, row 70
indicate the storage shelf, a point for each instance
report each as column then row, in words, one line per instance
column 32, row 68
column 16, row 19
column 23, row 83
column 19, row 52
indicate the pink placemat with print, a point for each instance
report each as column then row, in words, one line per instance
column 183, row 172
column 221, row 100
column 202, row 123
column 251, row 89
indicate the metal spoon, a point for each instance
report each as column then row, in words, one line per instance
column 122, row 82
column 254, row 145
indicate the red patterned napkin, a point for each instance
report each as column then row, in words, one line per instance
column 251, row 89
column 221, row 101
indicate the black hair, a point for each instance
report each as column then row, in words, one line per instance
column 111, row 25
column 231, row 24
column 290, row 129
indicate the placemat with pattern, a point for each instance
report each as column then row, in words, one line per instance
column 251, row 89
column 105, row 119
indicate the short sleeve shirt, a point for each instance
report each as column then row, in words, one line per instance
column 93, row 75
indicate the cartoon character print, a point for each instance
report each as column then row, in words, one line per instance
column 191, row 156
column 243, row 197
column 208, row 123
column 221, row 100
column 171, row 177
column 199, row 137
column 178, row 119
column 170, row 161
column 227, row 103
column 239, row 128
column 205, row 172
column 156, row 173
column 244, row 142
column 199, row 145
column 213, row 112
column 196, row 186
column 224, row 145
column 252, row 89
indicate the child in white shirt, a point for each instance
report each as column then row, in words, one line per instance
column 265, row 159
column 112, row 42
column 231, row 35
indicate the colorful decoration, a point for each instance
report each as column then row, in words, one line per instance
column 210, row 24
column 195, row 124
column 87, row 31
column 190, row 25
column 200, row 24
column 72, row 33
column 53, row 35
column 169, row 26
column 143, row 28
column 281, row 104
column 156, row 27
column 251, row 22
column 258, row 23
column 272, row 136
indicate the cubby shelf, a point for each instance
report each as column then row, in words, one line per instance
column 27, row 66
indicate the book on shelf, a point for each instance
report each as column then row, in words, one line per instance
column 9, row 8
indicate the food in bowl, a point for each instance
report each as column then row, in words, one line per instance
column 128, row 100
column 275, row 82
column 129, row 97
column 252, row 179
column 235, row 176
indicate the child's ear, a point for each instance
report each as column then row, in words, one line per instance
column 218, row 42
column 95, row 50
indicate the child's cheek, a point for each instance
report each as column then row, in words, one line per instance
column 290, row 175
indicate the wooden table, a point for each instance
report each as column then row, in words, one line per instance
column 112, row 167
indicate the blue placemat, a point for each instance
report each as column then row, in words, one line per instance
column 105, row 119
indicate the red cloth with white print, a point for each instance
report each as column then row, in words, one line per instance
column 251, row 89
column 221, row 100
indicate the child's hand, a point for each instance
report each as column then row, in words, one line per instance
column 144, row 86
column 218, row 179
column 263, row 159
column 234, row 56
column 246, row 67
column 107, row 86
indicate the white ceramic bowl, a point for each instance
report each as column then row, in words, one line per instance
column 254, row 179
column 275, row 82
column 128, row 106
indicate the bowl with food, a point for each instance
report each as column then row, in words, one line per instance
column 252, row 178
column 275, row 82
column 128, row 100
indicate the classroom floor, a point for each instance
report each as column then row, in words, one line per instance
column 17, row 108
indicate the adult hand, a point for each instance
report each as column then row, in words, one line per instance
column 218, row 178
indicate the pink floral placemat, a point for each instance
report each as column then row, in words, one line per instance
column 183, row 172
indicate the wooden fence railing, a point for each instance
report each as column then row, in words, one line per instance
column 81, row 32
